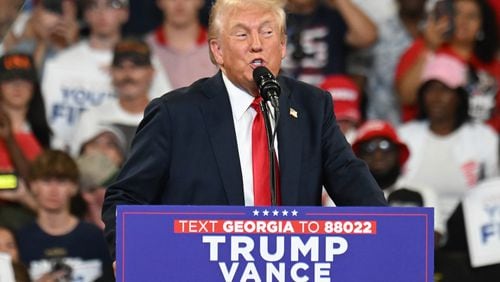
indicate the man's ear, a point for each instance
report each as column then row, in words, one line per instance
column 283, row 46
column 124, row 15
column 216, row 51
column 74, row 189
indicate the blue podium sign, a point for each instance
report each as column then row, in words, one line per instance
column 227, row 243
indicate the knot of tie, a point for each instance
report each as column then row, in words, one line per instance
column 256, row 104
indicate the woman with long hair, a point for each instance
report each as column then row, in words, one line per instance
column 24, row 133
column 24, row 130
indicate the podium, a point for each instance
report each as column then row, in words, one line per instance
column 229, row 243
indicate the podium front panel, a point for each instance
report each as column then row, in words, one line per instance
column 227, row 243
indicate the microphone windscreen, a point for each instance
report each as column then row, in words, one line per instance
column 261, row 74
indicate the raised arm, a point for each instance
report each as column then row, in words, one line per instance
column 361, row 31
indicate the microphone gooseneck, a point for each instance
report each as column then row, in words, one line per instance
column 269, row 90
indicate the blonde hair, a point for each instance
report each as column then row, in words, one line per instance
column 221, row 8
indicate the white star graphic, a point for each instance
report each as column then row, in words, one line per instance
column 294, row 213
column 285, row 213
column 276, row 212
column 255, row 212
column 265, row 212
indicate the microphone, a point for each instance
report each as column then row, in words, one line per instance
column 268, row 86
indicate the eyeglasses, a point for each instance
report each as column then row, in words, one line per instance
column 371, row 146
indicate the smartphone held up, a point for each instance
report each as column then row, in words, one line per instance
column 8, row 181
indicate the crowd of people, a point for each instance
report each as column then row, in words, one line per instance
column 415, row 86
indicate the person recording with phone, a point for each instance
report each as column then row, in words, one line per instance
column 206, row 144
column 466, row 30
column 49, row 28
column 24, row 134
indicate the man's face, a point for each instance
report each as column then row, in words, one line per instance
column 380, row 154
column 248, row 38
column 130, row 80
column 105, row 18
column 180, row 12
column 53, row 195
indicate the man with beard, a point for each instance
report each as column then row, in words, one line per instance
column 379, row 146
column 78, row 78
column 132, row 75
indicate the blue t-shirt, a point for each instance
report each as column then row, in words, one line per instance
column 315, row 45
column 82, row 253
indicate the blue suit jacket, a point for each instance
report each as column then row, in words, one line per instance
column 185, row 152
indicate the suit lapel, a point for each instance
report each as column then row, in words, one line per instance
column 289, row 146
column 220, row 127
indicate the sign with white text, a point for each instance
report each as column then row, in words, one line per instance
column 482, row 223
column 227, row 243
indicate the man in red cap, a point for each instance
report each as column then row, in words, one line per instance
column 379, row 146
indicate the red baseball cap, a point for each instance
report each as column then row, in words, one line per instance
column 345, row 95
column 380, row 129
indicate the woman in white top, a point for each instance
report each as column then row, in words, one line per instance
column 449, row 153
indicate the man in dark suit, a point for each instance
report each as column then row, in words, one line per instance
column 193, row 146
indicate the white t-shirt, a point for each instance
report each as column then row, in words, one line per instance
column 449, row 165
column 378, row 10
column 77, row 80
column 110, row 114
column 442, row 172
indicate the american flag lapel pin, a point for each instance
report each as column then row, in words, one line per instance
column 294, row 113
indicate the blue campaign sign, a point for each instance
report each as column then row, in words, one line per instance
column 227, row 243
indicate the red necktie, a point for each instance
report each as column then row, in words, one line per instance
column 260, row 159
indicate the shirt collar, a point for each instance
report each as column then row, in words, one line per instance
column 239, row 99
column 161, row 36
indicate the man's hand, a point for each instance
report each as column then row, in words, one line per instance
column 66, row 30
column 53, row 29
column 435, row 30
column 54, row 276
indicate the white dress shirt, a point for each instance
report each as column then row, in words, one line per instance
column 243, row 116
